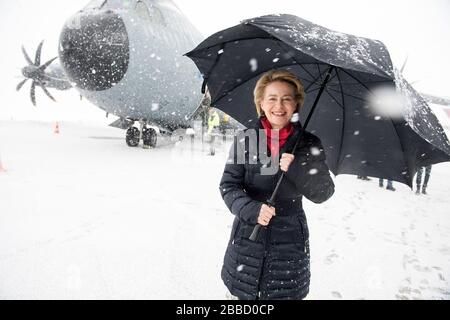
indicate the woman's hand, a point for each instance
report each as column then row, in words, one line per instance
column 265, row 214
column 285, row 160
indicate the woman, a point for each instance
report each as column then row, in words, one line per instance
column 276, row 265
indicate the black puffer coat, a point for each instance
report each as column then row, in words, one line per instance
column 276, row 266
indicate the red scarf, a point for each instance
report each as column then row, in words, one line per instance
column 283, row 135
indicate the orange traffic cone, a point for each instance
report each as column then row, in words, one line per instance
column 56, row 128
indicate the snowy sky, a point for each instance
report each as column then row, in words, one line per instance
column 418, row 29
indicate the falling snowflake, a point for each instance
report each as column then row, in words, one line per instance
column 253, row 64
column 240, row 267
column 315, row 151
column 356, row 132
column 313, row 171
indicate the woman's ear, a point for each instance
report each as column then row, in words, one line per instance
column 261, row 111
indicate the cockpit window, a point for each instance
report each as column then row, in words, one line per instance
column 142, row 10
column 157, row 15
column 95, row 4
column 150, row 12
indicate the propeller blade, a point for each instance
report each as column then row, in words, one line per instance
column 27, row 57
column 21, row 84
column 46, row 91
column 37, row 59
column 404, row 65
column 45, row 77
column 45, row 65
column 33, row 93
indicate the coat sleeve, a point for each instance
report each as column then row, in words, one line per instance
column 232, row 189
column 310, row 173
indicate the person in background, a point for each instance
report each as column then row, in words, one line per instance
column 213, row 123
column 389, row 184
column 224, row 123
column 425, row 181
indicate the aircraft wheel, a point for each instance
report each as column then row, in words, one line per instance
column 132, row 137
column 149, row 137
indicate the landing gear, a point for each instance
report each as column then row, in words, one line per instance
column 132, row 137
column 149, row 137
column 146, row 133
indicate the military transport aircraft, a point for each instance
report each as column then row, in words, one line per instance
column 126, row 57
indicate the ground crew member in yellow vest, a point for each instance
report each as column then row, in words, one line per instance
column 213, row 122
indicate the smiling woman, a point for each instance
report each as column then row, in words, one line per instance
column 277, row 96
column 276, row 265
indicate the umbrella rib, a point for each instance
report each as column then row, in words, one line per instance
column 256, row 74
column 403, row 153
column 312, row 90
column 192, row 53
column 278, row 43
column 314, row 82
column 206, row 77
column 314, row 79
column 357, row 83
column 340, row 85
column 320, row 73
column 343, row 122
column 352, row 76
column 335, row 100
column 349, row 95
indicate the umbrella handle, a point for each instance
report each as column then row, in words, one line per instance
column 255, row 232
column 258, row 227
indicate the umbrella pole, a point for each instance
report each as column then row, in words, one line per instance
column 271, row 201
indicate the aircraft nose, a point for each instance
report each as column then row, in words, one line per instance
column 94, row 49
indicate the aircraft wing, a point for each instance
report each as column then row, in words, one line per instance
column 435, row 99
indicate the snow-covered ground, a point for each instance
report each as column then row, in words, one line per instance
column 83, row 216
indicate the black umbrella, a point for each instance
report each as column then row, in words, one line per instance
column 357, row 140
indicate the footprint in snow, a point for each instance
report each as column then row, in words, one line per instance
column 336, row 294
column 331, row 258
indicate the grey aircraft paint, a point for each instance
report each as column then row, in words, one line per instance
column 126, row 57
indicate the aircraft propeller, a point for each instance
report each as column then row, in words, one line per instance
column 36, row 72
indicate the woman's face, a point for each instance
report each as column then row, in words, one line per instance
column 279, row 103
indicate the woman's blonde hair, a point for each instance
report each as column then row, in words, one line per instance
column 282, row 76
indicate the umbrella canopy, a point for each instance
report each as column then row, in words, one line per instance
column 356, row 138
